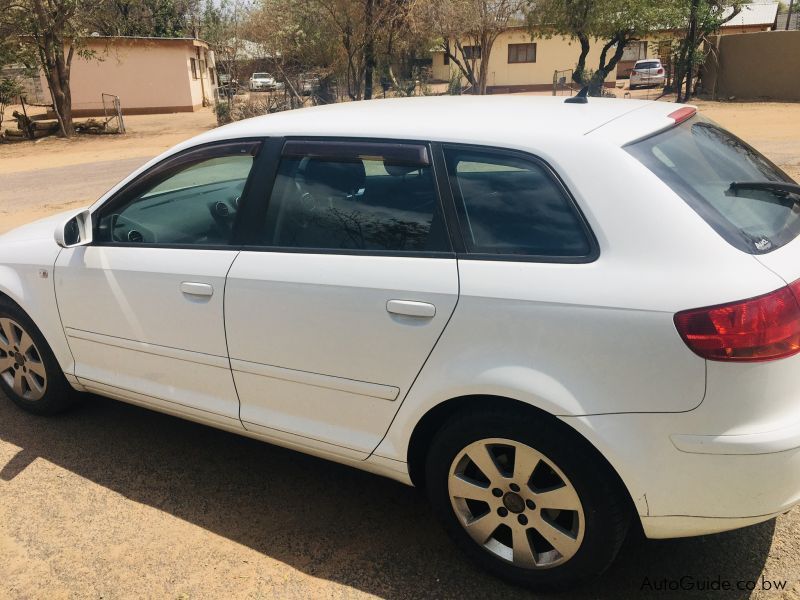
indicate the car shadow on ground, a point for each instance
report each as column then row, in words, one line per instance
column 324, row 519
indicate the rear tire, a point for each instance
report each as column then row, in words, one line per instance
column 549, row 514
column 29, row 372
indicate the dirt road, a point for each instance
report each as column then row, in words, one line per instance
column 113, row 501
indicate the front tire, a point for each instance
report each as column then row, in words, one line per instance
column 526, row 498
column 29, row 373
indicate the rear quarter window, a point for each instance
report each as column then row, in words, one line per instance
column 510, row 205
column 699, row 160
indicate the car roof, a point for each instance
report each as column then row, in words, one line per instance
column 464, row 119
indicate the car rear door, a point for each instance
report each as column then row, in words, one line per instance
column 350, row 281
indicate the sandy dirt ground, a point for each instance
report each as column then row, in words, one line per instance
column 51, row 174
column 114, row 501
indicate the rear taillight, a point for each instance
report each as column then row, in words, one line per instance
column 634, row 72
column 763, row 328
column 660, row 72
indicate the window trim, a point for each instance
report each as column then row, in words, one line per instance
column 252, row 241
column 173, row 163
column 463, row 254
column 473, row 53
column 516, row 48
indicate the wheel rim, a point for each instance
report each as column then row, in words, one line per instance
column 516, row 503
column 21, row 365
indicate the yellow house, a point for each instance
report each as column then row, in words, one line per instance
column 521, row 63
column 150, row 75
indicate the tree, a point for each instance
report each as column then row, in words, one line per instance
column 470, row 23
column 12, row 53
column 298, row 36
column 345, row 36
column 613, row 23
column 52, row 31
column 222, row 25
column 152, row 18
column 697, row 19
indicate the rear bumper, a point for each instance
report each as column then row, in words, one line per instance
column 677, row 526
column 768, row 442
column 687, row 484
column 658, row 80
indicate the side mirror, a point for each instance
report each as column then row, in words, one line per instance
column 75, row 231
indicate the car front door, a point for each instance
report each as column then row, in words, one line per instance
column 332, row 313
column 142, row 306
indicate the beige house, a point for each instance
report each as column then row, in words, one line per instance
column 150, row 75
column 521, row 63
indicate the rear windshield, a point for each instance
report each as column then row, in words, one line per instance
column 699, row 160
column 648, row 65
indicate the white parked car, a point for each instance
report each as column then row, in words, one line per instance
column 261, row 82
column 486, row 312
column 648, row 72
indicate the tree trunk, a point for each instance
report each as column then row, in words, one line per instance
column 692, row 49
column 580, row 68
column 465, row 67
column 369, row 49
column 605, row 67
column 50, row 44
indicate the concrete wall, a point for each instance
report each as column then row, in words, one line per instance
column 553, row 54
column 148, row 75
column 764, row 65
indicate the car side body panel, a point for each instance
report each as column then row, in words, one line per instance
column 27, row 257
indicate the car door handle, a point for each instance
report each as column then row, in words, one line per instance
column 411, row 308
column 197, row 289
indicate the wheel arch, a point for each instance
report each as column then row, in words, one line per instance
column 433, row 420
column 11, row 288
column 44, row 316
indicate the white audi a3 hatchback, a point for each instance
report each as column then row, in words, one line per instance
column 559, row 318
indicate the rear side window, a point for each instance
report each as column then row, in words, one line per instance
column 362, row 196
column 710, row 168
column 510, row 205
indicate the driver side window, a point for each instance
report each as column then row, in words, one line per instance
column 190, row 199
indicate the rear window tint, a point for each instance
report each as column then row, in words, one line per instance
column 508, row 205
column 699, row 160
column 648, row 65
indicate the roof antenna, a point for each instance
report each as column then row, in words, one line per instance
column 580, row 98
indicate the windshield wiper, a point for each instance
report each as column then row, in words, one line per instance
column 770, row 186
column 785, row 194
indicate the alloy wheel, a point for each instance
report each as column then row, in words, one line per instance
column 21, row 364
column 516, row 503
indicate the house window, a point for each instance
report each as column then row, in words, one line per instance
column 211, row 75
column 446, row 58
column 193, row 61
column 472, row 52
column 521, row 53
